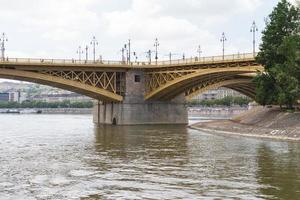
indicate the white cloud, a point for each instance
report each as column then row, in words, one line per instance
column 56, row 28
column 180, row 25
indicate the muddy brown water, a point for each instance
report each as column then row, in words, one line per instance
column 66, row 157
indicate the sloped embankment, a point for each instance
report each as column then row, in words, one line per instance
column 258, row 122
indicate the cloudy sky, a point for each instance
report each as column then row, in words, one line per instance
column 55, row 29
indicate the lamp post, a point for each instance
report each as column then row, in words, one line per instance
column 126, row 50
column 94, row 42
column 253, row 30
column 3, row 39
column 86, row 53
column 170, row 55
column 135, row 56
column 156, row 45
column 223, row 40
column 79, row 52
column 149, row 55
column 123, row 54
column 129, row 50
column 199, row 51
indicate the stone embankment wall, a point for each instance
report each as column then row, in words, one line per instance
column 216, row 112
column 48, row 110
column 66, row 110
column 262, row 122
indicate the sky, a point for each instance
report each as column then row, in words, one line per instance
column 56, row 28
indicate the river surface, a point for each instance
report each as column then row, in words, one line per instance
column 66, row 157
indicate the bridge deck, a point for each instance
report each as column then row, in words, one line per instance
column 67, row 63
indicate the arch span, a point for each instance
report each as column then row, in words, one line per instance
column 74, row 86
column 173, row 87
column 242, row 85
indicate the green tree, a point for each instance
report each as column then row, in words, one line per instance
column 279, row 53
column 226, row 101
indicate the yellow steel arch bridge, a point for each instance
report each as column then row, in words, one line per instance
column 108, row 81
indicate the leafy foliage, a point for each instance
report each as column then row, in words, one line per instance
column 226, row 101
column 43, row 104
column 279, row 53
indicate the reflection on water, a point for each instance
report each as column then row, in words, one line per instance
column 279, row 168
column 66, row 157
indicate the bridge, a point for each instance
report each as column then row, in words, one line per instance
column 138, row 92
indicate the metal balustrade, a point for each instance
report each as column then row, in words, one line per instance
column 194, row 60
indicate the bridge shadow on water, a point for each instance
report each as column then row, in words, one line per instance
column 156, row 141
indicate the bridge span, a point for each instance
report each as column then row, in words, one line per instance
column 138, row 92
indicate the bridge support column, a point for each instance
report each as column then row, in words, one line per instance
column 138, row 113
column 134, row 110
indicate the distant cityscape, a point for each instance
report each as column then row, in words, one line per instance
column 23, row 91
column 219, row 93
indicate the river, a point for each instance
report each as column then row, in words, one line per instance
column 66, row 157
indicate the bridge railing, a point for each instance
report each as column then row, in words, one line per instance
column 211, row 59
column 60, row 61
column 196, row 60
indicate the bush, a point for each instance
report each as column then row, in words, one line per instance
column 226, row 101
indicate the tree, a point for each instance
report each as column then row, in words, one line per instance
column 279, row 54
column 265, row 89
column 282, row 22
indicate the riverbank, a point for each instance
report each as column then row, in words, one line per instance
column 259, row 122
column 47, row 111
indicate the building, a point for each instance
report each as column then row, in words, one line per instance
column 225, row 92
column 11, row 96
column 218, row 94
column 4, row 96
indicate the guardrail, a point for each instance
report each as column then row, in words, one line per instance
column 211, row 59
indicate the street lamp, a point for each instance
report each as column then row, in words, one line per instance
column 94, row 42
column 253, row 30
column 126, row 50
column 79, row 52
column 149, row 55
column 223, row 40
column 3, row 39
column 170, row 56
column 86, row 53
column 199, row 51
column 135, row 56
column 156, row 45
column 123, row 54
column 129, row 50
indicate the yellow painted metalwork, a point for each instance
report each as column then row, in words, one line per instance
column 63, row 82
column 38, row 62
column 160, row 83
column 202, row 88
column 105, row 80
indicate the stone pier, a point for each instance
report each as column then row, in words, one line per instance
column 134, row 110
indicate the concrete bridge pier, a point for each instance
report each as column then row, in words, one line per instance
column 137, row 114
column 134, row 110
